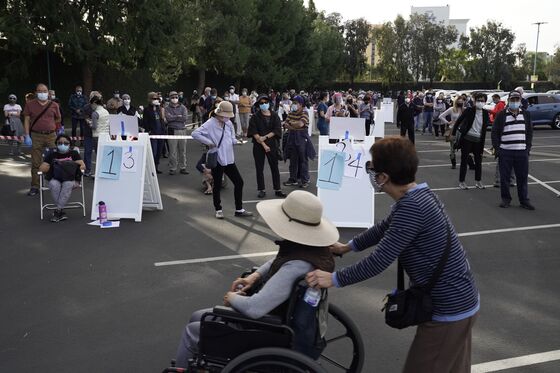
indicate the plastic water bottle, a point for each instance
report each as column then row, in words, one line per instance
column 102, row 212
column 312, row 297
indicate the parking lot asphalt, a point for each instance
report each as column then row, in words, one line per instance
column 75, row 297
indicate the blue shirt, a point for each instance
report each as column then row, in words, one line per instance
column 211, row 132
column 322, row 107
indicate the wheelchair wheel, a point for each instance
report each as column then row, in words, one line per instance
column 345, row 348
column 273, row 360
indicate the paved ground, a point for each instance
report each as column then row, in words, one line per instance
column 76, row 297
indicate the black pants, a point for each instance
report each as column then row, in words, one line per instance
column 259, row 154
column 471, row 147
column 439, row 127
column 408, row 127
column 233, row 174
column 518, row 160
column 368, row 126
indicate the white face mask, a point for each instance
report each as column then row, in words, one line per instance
column 126, row 102
column 42, row 96
column 155, row 102
column 377, row 187
column 231, row 91
column 174, row 100
column 479, row 105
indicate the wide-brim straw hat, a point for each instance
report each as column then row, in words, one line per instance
column 299, row 218
column 225, row 109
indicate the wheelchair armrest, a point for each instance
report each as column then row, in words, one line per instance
column 228, row 311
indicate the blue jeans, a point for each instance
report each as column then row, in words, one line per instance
column 323, row 128
column 519, row 161
column 428, row 115
column 88, row 150
column 157, row 149
column 417, row 121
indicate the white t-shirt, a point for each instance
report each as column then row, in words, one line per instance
column 12, row 108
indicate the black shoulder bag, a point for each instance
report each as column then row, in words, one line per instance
column 39, row 116
column 212, row 157
column 413, row 306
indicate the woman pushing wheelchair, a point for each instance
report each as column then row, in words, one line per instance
column 306, row 237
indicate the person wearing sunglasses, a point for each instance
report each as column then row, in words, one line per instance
column 472, row 125
column 62, row 167
column 417, row 232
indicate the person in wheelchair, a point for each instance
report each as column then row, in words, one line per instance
column 306, row 235
column 62, row 168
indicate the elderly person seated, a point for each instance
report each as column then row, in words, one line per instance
column 62, row 168
column 305, row 246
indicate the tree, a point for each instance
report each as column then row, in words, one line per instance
column 452, row 65
column 490, row 52
column 357, row 37
column 327, row 43
column 553, row 68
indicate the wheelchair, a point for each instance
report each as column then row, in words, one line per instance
column 233, row 343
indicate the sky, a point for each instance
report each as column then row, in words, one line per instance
column 516, row 15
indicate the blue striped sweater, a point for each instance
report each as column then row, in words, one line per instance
column 416, row 233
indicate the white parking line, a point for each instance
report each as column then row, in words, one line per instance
column 488, row 163
column 270, row 253
column 515, row 362
column 542, row 183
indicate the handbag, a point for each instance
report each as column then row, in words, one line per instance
column 212, row 157
column 458, row 139
column 65, row 170
column 413, row 306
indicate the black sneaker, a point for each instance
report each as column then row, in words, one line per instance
column 261, row 194
column 54, row 217
column 290, row 182
column 303, row 185
column 504, row 204
column 158, row 171
column 527, row 206
column 280, row 194
column 62, row 216
column 33, row 192
column 184, row 171
column 243, row 213
column 171, row 172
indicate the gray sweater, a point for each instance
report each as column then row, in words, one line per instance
column 176, row 117
column 275, row 291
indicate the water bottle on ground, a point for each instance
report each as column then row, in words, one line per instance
column 102, row 212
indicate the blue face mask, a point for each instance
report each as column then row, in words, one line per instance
column 63, row 148
column 264, row 106
column 514, row 105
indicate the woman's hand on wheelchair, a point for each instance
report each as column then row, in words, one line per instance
column 242, row 284
column 319, row 279
column 339, row 249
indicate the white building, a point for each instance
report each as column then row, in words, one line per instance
column 440, row 14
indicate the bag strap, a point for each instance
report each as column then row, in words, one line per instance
column 221, row 138
column 439, row 269
column 40, row 115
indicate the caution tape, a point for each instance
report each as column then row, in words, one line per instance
column 171, row 137
column 20, row 138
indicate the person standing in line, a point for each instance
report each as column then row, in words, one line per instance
column 13, row 125
column 195, row 109
column 337, row 109
column 153, row 121
column 176, row 118
column 418, row 102
column 299, row 148
column 352, row 107
column 218, row 134
column 114, row 103
column 499, row 105
column 209, row 103
column 439, row 108
column 472, row 124
column 99, row 124
column 413, row 235
column 512, row 137
column 405, row 119
column 366, row 112
column 41, row 117
column 244, row 111
column 202, row 104
column 266, row 130
column 234, row 99
column 428, row 112
column 322, row 124
column 453, row 113
column 76, row 103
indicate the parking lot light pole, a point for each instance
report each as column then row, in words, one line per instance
column 536, row 49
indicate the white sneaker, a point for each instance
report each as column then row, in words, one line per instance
column 219, row 214
column 463, row 186
column 479, row 185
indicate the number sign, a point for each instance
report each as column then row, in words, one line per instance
column 331, row 170
column 111, row 162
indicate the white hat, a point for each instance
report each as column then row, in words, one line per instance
column 224, row 109
column 299, row 218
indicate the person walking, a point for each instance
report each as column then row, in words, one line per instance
column 153, row 121
column 472, row 125
column 266, row 130
column 405, row 119
column 413, row 234
column 366, row 112
column 13, row 125
column 176, row 118
column 219, row 135
column 41, row 117
column 299, row 148
column 512, row 138
column 453, row 113
column 77, row 103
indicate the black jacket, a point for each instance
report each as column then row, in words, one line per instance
column 405, row 114
column 466, row 120
column 258, row 125
column 498, row 129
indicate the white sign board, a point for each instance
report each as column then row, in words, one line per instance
column 123, row 125
column 343, row 127
column 125, row 178
column 351, row 204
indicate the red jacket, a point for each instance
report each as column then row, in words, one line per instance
column 499, row 107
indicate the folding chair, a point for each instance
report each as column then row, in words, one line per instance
column 69, row 205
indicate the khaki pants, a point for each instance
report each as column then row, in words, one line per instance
column 178, row 151
column 40, row 143
column 441, row 347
